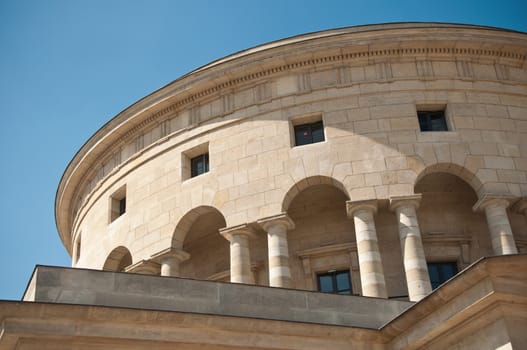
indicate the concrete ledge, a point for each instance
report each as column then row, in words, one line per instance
column 102, row 288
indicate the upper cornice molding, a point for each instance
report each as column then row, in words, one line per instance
column 362, row 43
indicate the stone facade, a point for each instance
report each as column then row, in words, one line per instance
column 374, row 194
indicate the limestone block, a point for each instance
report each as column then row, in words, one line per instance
column 365, row 126
column 408, row 123
column 496, row 162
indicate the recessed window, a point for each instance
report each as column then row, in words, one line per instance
column 199, row 165
column 309, row 133
column 195, row 161
column 118, row 203
column 441, row 272
column 337, row 282
column 432, row 120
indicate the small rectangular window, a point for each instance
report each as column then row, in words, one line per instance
column 309, row 133
column 432, row 120
column 199, row 165
column 441, row 272
column 195, row 161
column 337, row 282
column 118, row 203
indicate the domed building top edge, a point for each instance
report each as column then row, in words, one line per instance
column 341, row 31
column 157, row 97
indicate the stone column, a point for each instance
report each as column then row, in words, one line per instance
column 370, row 262
column 276, row 228
column 495, row 207
column 239, row 237
column 170, row 259
column 415, row 268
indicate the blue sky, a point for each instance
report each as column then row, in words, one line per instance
column 67, row 67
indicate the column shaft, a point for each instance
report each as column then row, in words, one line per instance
column 238, row 237
column 240, row 259
column 169, row 266
column 370, row 262
column 500, row 229
column 170, row 260
column 414, row 261
column 278, row 250
column 279, row 271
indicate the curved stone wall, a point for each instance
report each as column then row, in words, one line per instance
column 377, row 196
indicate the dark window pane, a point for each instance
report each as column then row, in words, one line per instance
column 309, row 133
column 449, row 271
column 343, row 283
column 438, row 122
column 335, row 282
column 432, row 121
column 302, row 135
column 199, row 165
column 441, row 272
column 317, row 132
column 325, row 284
column 122, row 206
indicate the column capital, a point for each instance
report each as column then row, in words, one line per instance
column 170, row 252
column 239, row 230
column 353, row 206
column 148, row 267
column 412, row 200
column 489, row 199
column 280, row 219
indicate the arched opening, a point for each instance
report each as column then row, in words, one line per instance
column 323, row 238
column 118, row 260
column 197, row 234
column 303, row 184
column 453, row 235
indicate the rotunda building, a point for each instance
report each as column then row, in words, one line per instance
column 374, row 160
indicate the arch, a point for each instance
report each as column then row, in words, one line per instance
column 308, row 182
column 317, row 206
column 454, row 169
column 118, row 259
column 451, row 231
column 185, row 223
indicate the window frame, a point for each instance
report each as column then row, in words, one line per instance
column 117, row 204
column 310, row 128
column 189, row 156
column 425, row 119
column 194, row 165
column 314, row 124
column 334, row 280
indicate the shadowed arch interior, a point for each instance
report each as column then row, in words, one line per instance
column 118, row 259
column 446, row 217
column 453, row 169
column 319, row 213
column 187, row 221
column 197, row 233
column 303, row 184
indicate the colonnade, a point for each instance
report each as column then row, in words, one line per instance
column 370, row 261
